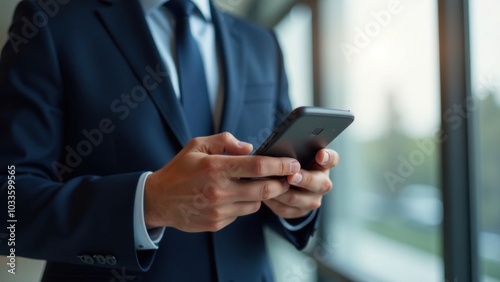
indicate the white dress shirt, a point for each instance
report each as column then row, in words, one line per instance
column 162, row 26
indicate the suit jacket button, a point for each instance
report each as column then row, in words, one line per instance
column 86, row 259
column 100, row 259
column 111, row 260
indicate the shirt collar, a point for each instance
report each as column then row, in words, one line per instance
column 203, row 6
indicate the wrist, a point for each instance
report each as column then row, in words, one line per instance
column 151, row 215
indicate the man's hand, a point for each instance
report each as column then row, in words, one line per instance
column 200, row 189
column 309, row 188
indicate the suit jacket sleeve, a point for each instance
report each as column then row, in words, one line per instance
column 56, row 220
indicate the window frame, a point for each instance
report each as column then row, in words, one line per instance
column 458, row 176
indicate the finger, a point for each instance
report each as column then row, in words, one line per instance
column 259, row 166
column 241, row 191
column 259, row 190
column 301, row 199
column 246, row 208
column 316, row 181
column 327, row 158
column 219, row 144
column 285, row 211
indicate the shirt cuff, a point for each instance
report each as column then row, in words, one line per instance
column 144, row 239
column 299, row 226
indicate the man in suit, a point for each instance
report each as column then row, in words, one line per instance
column 110, row 181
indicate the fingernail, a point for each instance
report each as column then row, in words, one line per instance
column 242, row 144
column 326, row 157
column 294, row 167
column 297, row 178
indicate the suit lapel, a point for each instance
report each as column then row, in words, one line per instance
column 232, row 53
column 125, row 22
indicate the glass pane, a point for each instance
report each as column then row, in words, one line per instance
column 381, row 61
column 294, row 36
column 485, row 57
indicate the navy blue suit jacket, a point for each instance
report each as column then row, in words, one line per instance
column 87, row 107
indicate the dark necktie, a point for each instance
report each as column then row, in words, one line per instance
column 197, row 247
column 192, row 81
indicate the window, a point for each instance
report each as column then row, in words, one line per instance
column 485, row 62
column 381, row 61
column 294, row 36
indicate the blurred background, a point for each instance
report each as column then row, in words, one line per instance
column 381, row 59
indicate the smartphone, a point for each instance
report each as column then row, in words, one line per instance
column 304, row 132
